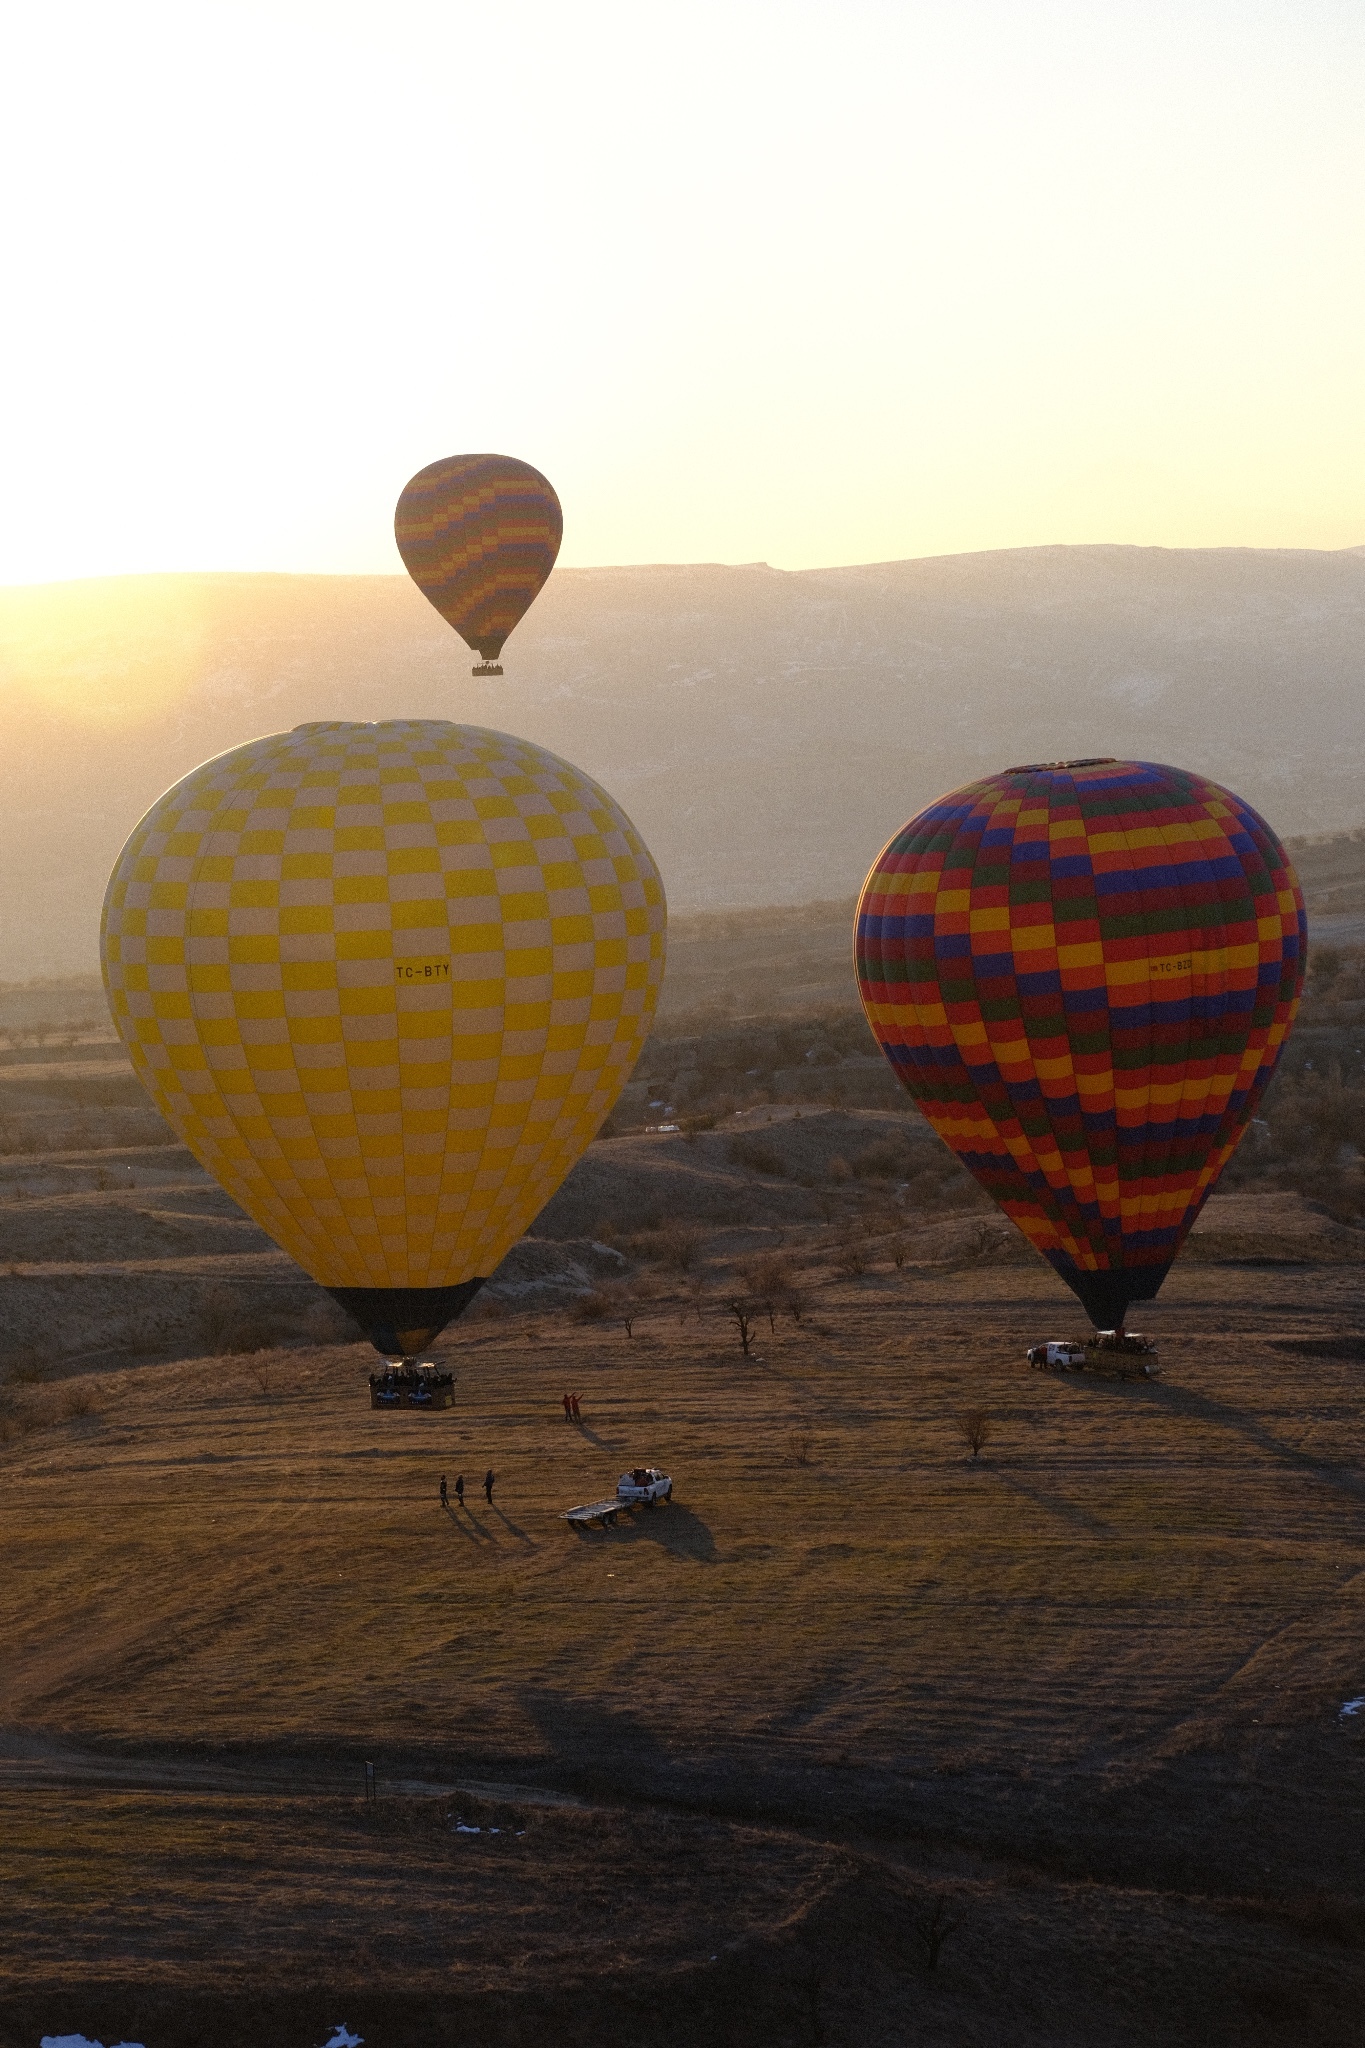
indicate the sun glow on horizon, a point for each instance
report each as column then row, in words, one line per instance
column 804, row 285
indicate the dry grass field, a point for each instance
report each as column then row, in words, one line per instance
column 1085, row 1688
column 727, row 1771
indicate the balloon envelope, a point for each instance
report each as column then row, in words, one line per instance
column 386, row 981
column 479, row 535
column 1084, row 973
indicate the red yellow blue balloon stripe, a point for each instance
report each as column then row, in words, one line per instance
column 1084, row 973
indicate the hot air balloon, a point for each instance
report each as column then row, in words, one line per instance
column 386, row 981
column 1084, row 973
column 479, row 535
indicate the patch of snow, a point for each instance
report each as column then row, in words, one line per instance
column 461, row 1829
column 1353, row 1707
column 344, row 2038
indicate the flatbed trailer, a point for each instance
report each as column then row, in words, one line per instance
column 604, row 1511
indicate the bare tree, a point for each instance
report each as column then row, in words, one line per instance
column 974, row 1427
column 932, row 1930
column 629, row 1307
column 743, row 1312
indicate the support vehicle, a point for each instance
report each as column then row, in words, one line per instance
column 644, row 1486
column 646, row 1483
column 1059, row 1353
column 1122, row 1354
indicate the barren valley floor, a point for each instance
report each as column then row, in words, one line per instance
column 1079, row 1702
column 1087, row 1689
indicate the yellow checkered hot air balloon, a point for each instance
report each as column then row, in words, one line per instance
column 386, row 981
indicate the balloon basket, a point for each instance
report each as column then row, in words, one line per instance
column 412, row 1386
column 486, row 668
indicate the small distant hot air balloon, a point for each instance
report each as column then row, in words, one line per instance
column 386, row 981
column 479, row 535
column 1084, row 973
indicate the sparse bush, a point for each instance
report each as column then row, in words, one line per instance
column 757, row 1156
column 592, row 1308
column 78, row 1400
column 799, row 1444
column 899, row 1252
column 884, row 1159
column 26, row 1367
column 770, row 1274
column 696, row 1296
column 975, row 1427
column 850, row 1259
column 838, row 1168
column 679, row 1245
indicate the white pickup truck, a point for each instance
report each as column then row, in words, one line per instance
column 646, row 1483
column 1070, row 1357
column 643, row 1487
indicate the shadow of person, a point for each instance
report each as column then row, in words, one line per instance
column 603, row 1443
column 511, row 1526
column 458, row 1522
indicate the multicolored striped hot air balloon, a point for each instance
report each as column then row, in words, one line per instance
column 1084, row 973
column 386, row 981
column 479, row 535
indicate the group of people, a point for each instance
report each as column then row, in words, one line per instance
column 489, row 1478
column 571, row 1409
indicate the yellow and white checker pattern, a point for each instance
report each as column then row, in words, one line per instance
column 386, row 981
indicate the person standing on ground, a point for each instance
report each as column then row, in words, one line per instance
column 445, row 1492
column 577, row 1415
column 568, row 1407
column 459, row 1489
column 488, row 1486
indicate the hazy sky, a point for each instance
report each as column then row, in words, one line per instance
column 803, row 283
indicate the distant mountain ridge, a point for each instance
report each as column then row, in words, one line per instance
column 767, row 730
